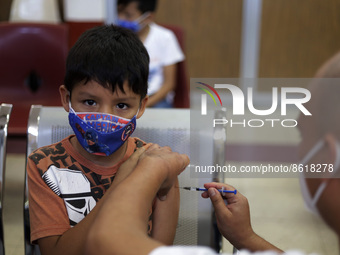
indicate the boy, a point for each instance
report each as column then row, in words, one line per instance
column 161, row 44
column 104, row 93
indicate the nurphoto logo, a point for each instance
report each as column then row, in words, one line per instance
column 204, row 96
column 239, row 102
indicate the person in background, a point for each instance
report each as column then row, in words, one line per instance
column 161, row 44
column 320, row 144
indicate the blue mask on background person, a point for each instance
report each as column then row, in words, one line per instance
column 134, row 25
column 99, row 133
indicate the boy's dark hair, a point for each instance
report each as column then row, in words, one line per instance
column 108, row 55
column 143, row 5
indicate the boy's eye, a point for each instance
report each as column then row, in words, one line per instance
column 121, row 106
column 90, row 102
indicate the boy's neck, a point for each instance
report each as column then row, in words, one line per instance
column 144, row 32
column 105, row 161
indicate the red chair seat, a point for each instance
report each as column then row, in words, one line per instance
column 32, row 67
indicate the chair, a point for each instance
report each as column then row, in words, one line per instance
column 32, row 67
column 181, row 99
column 164, row 126
column 5, row 113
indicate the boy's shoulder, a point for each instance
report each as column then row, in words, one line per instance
column 63, row 151
column 138, row 142
column 159, row 29
column 53, row 150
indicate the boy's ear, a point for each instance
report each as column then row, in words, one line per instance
column 65, row 97
column 142, row 106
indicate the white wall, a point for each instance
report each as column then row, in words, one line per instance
column 35, row 11
column 86, row 10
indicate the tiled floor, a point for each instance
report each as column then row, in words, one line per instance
column 278, row 215
column 277, row 211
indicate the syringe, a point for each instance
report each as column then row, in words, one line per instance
column 203, row 189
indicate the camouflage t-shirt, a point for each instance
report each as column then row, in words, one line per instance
column 64, row 186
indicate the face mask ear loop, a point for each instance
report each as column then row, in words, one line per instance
column 319, row 192
column 324, row 183
column 142, row 17
column 137, row 113
column 337, row 159
column 312, row 152
column 71, row 109
column 69, row 102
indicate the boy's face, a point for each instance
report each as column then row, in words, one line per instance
column 92, row 97
column 129, row 12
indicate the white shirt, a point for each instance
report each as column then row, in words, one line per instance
column 196, row 250
column 164, row 49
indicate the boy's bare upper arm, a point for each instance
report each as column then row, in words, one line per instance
column 47, row 244
column 165, row 217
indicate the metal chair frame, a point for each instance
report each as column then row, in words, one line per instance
column 5, row 113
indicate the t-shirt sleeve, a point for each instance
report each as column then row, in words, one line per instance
column 172, row 50
column 200, row 250
column 48, row 215
column 182, row 250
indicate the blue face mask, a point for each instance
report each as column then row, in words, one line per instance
column 135, row 25
column 99, row 133
column 132, row 25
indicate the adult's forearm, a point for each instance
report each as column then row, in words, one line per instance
column 124, row 220
column 256, row 243
column 120, row 226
